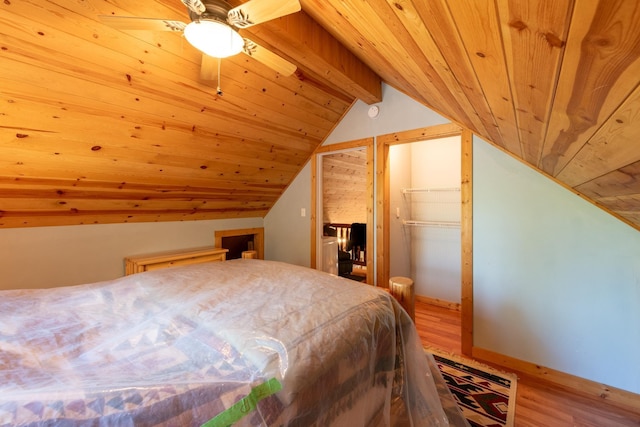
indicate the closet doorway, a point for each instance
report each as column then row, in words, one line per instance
column 424, row 226
column 385, row 210
column 342, row 210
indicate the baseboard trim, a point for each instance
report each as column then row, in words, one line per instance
column 438, row 302
column 591, row 389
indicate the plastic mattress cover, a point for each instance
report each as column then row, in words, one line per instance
column 241, row 342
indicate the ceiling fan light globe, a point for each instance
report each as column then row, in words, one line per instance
column 214, row 38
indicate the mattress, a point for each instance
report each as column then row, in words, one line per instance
column 241, row 342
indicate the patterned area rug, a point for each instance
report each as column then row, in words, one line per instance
column 485, row 396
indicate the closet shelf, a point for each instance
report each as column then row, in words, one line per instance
column 441, row 224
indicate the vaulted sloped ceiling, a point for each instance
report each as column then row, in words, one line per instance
column 553, row 82
column 101, row 125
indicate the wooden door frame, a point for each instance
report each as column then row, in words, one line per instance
column 383, row 142
column 367, row 144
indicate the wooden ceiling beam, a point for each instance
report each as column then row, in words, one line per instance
column 320, row 57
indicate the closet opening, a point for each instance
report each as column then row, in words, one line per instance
column 407, row 209
column 424, row 234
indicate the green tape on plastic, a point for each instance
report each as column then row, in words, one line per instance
column 244, row 406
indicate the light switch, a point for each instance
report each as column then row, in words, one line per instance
column 303, row 212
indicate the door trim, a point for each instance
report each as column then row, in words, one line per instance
column 367, row 144
column 466, row 225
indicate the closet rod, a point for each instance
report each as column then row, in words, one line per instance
column 430, row 190
column 443, row 224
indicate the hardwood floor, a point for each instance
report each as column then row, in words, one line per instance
column 538, row 403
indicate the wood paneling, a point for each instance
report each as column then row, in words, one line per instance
column 125, row 117
column 344, row 187
column 100, row 125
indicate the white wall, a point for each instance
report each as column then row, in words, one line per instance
column 397, row 113
column 399, row 236
column 556, row 280
column 286, row 232
column 44, row 257
column 436, row 251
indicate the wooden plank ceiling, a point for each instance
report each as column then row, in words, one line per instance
column 101, row 125
column 344, row 187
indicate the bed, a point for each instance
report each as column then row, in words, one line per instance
column 244, row 342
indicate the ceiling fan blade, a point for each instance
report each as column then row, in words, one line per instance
column 134, row 23
column 268, row 58
column 196, row 6
column 258, row 11
column 208, row 68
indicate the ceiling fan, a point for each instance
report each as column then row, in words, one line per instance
column 214, row 30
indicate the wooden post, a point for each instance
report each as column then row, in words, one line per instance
column 402, row 290
column 249, row 254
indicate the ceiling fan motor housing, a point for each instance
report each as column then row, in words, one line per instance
column 216, row 10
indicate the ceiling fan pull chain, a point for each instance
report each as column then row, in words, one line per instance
column 218, row 89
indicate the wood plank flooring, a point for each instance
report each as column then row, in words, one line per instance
column 538, row 403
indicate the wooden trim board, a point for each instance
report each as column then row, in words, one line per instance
column 466, row 240
column 439, row 302
column 582, row 387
